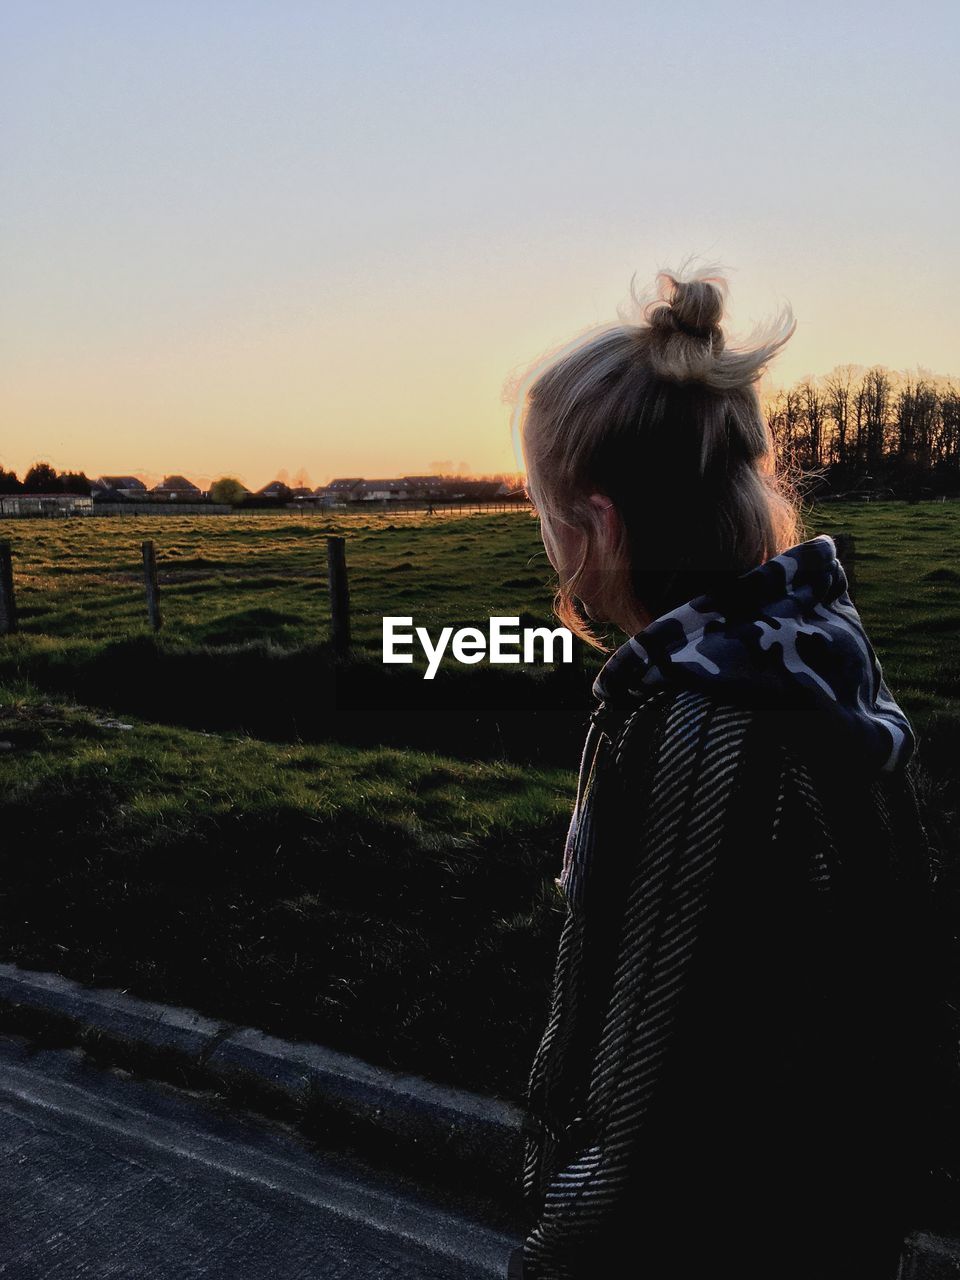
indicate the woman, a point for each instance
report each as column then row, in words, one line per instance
column 735, row 1066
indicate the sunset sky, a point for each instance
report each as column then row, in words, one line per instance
column 251, row 236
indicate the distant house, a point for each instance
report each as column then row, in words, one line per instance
column 382, row 491
column 100, row 494
column 45, row 504
column 475, row 490
column 275, row 489
column 126, row 488
column 342, row 490
column 407, row 488
column 301, row 491
column 177, row 489
column 424, row 486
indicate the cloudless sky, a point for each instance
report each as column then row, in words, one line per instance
column 242, row 236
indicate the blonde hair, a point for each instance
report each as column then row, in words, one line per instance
column 661, row 414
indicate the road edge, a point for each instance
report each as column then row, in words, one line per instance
column 432, row 1132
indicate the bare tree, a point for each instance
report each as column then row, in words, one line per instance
column 837, row 388
column 948, row 434
column 784, row 413
column 877, row 389
column 915, row 415
column 815, row 414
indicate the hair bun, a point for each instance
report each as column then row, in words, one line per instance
column 677, row 331
column 693, row 308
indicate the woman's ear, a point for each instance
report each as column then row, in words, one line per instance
column 610, row 518
column 612, row 597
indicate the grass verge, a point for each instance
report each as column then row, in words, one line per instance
column 396, row 905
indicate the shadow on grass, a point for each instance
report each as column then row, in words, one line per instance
column 427, row 955
column 307, row 695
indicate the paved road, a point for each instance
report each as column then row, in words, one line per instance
column 103, row 1176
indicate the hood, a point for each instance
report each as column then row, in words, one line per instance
column 783, row 636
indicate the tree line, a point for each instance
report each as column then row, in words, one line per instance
column 858, row 429
column 852, row 429
column 42, row 478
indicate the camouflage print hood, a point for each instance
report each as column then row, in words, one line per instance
column 784, row 636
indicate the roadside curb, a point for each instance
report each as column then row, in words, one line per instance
column 421, row 1128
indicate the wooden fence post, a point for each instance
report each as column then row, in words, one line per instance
column 8, row 604
column 150, row 582
column 339, row 594
column 847, row 555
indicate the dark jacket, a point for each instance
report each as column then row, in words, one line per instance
column 733, row 1074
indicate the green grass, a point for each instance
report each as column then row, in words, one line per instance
column 227, row 579
column 395, row 904
column 235, row 580
column 908, row 594
column 244, row 644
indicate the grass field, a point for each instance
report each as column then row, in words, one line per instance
column 396, row 903
column 228, row 579
column 235, row 582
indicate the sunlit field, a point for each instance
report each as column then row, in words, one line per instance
column 234, row 579
column 226, row 579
